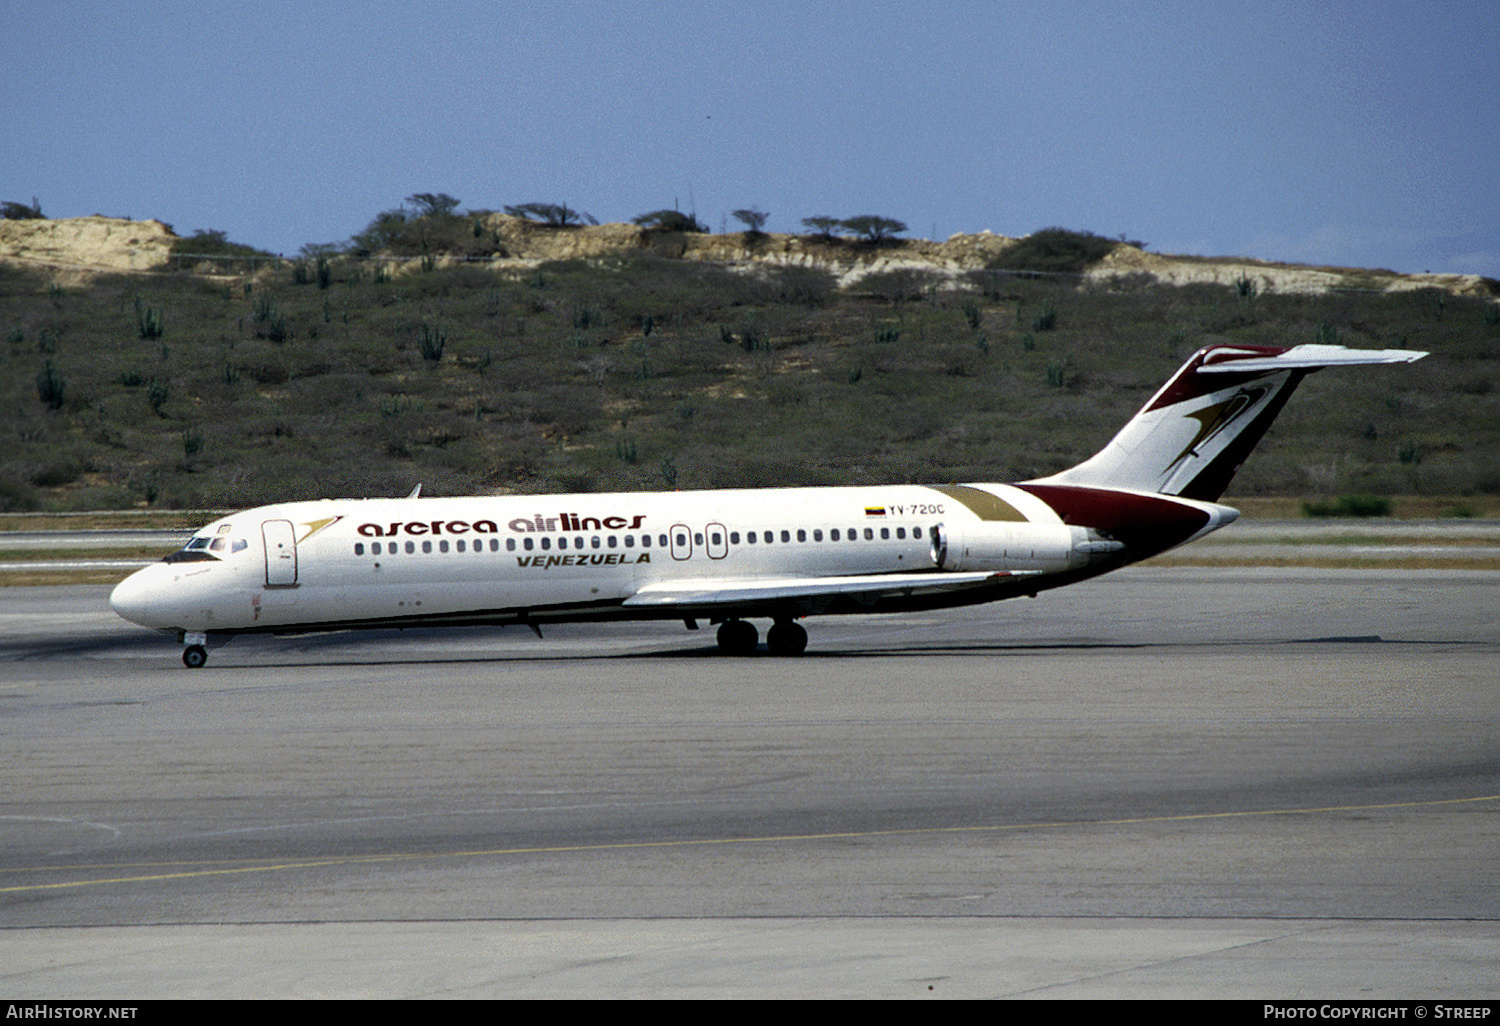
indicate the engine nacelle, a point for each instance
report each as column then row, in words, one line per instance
column 1008, row 545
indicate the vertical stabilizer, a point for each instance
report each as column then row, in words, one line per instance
column 1194, row 434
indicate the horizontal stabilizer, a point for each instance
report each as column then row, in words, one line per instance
column 1228, row 360
column 1191, row 437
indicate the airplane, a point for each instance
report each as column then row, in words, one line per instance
column 730, row 556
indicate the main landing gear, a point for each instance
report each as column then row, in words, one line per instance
column 739, row 638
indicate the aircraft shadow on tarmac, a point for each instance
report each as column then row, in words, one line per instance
column 383, row 648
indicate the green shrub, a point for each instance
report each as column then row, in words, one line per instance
column 51, row 389
column 432, row 342
column 215, row 248
column 1055, row 250
column 553, row 215
column 12, row 211
column 157, row 395
column 670, row 221
column 1349, row 506
column 148, row 320
column 873, row 228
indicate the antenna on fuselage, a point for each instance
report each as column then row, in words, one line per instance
column 416, row 492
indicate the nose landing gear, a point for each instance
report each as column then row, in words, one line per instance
column 195, row 654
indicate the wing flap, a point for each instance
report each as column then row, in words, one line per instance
column 738, row 591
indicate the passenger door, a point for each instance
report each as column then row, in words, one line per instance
column 281, row 553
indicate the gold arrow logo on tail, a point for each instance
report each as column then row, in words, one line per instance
column 1214, row 419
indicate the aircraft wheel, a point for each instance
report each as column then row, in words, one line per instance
column 738, row 637
column 194, row 656
column 786, row 638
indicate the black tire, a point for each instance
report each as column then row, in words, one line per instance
column 194, row 656
column 786, row 638
column 738, row 638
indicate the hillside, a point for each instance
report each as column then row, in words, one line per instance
column 523, row 358
column 111, row 244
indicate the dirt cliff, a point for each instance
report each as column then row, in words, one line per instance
column 113, row 244
column 87, row 243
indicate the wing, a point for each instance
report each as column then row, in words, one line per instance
column 811, row 592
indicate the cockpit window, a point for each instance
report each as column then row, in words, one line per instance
column 198, row 550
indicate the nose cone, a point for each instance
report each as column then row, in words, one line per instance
column 132, row 597
column 157, row 596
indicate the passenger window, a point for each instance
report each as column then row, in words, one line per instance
column 900, row 532
column 630, row 541
column 817, row 535
column 662, row 541
column 443, row 545
column 359, row 548
column 697, row 537
column 527, row 543
column 427, row 546
column 374, row 548
column 801, row 535
column 459, row 545
column 594, row 542
column 411, row 548
column 885, row 533
column 833, row 535
column 869, row 534
column 734, row 537
column 786, row 536
column 510, row 543
column 612, row 542
column 546, row 544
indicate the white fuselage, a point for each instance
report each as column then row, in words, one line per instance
column 547, row 557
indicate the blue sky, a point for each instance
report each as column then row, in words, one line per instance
column 1360, row 134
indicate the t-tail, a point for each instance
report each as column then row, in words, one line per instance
column 1197, row 430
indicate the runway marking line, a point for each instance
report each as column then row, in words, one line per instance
column 354, row 860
